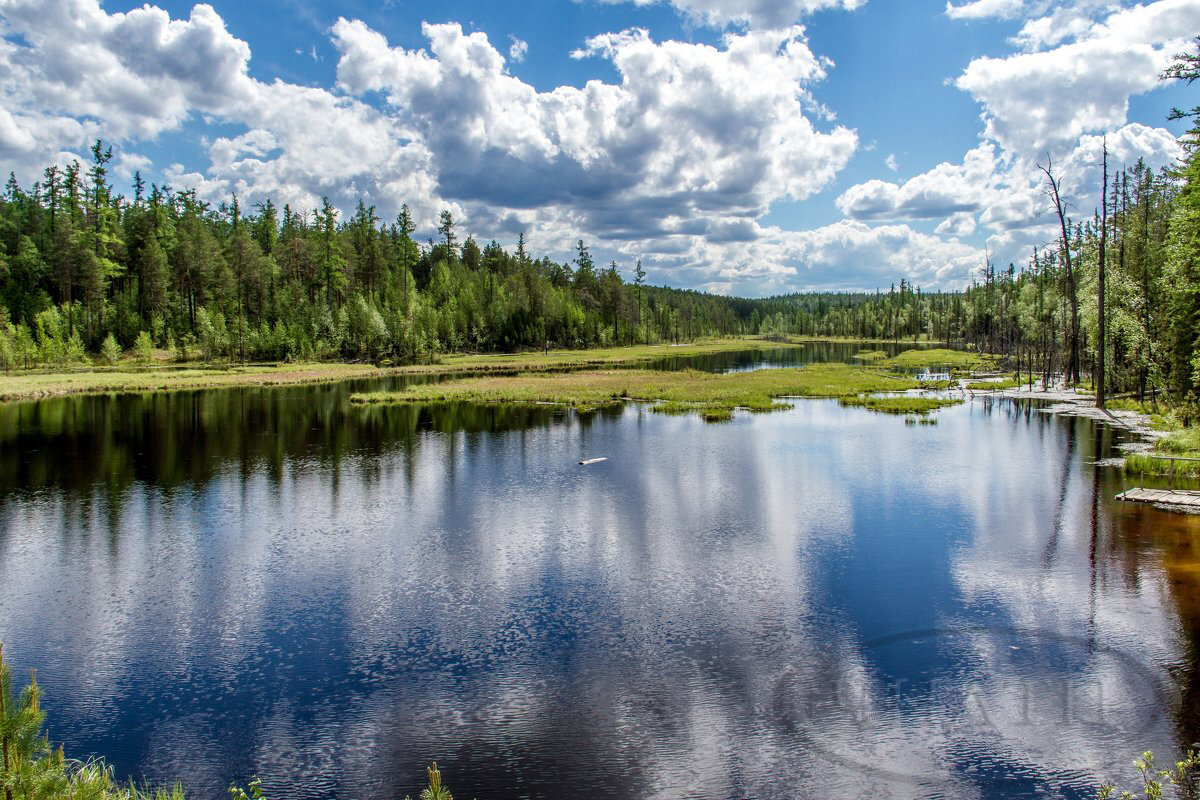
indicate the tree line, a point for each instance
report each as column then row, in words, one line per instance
column 84, row 270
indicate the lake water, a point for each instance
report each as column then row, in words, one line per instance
column 819, row 602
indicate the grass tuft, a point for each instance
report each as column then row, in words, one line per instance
column 938, row 357
column 900, row 404
column 995, row 386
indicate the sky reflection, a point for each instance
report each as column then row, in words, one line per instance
column 820, row 601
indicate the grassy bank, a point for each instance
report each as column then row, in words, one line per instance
column 1181, row 443
column 32, row 385
column 714, row 396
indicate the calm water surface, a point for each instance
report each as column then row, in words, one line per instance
column 820, row 602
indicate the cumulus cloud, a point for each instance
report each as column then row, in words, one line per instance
column 1005, row 194
column 1043, row 100
column 517, row 50
column 137, row 73
column 944, row 190
column 961, row 223
column 982, row 9
column 844, row 255
column 692, row 139
column 757, row 13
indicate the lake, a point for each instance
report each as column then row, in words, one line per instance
column 819, row 602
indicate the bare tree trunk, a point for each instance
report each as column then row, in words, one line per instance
column 1072, row 294
column 1100, row 288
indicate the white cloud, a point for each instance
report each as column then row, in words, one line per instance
column 861, row 256
column 134, row 74
column 961, row 223
column 844, row 255
column 944, row 190
column 757, row 13
column 890, row 162
column 1042, row 101
column 518, row 49
column 981, row 9
column 692, row 139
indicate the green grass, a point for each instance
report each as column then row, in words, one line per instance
column 937, row 385
column 995, row 386
column 1140, row 406
column 1142, row 463
column 712, row 396
column 900, row 404
column 36, row 384
column 1184, row 443
column 938, row 357
column 870, row 355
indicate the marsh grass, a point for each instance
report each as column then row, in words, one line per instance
column 1145, row 464
column 1182, row 443
column 900, row 404
column 936, row 385
column 1140, row 406
column 869, row 356
column 938, row 357
column 995, row 386
column 713, row 396
column 32, row 385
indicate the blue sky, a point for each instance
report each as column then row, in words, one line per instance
column 744, row 146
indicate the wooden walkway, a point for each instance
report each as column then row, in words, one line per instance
column 1165, row 497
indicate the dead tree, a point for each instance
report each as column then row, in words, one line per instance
column 1100, row 287
column 1072, row 294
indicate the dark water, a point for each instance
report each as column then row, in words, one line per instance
column 823, row 602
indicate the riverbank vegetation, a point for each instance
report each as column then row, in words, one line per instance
column 714, row 396
column 33, row 769
column 24, row 385
column 1180, row 443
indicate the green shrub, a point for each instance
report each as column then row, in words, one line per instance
column 143, row 348
column 110, row 351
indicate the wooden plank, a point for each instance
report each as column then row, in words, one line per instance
column 1169, row 497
